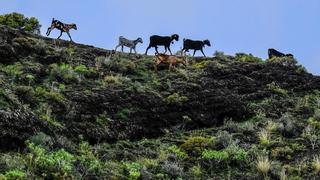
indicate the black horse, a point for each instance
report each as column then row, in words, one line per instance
column 165, row 41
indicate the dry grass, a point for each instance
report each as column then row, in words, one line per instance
column 272, row 126
column 263, row 165
column 283, row 174
column 316, row 164
column 264, row 137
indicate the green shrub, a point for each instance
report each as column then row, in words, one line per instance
column 242, row 57
column 196, row 172
column 121, row 66
column 41, row 139
column 237, row 153
column 44, row 94
column 4, row 100
column 123, row 114
column 195, row 145
column 314, row 123
column 177, row 151
column 201, row 64
column 316, row 115
column 133, row 170
column 15, row 175
column 62, row 87
column 57, row 164
column 99, row 61
column 14, row 70
column 264, row 137
column 282, row 152
column 218, row 156
column 176, row 98
column 277, row 89
column 103, row 119
column 224, row 139
column 11, row 161
column 286, row 61
column 16, row 20
column 63, row 71
column 30, row 78
column 81, row 69
column 87, row 159
column 111, row 79
column 221, row 56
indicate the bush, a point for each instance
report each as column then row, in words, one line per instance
column 312, row 135
column 286, row 61
column 111, row 79
column 123, row 114
column 16, row 20
column 316, row 164
column 237, row 153
column 81, row 69
column 224, row 139
column 242, row 57
column 263, row 165
column 7, row 99
column 282, row 152
column 133, row 170
column 264, row 137
column 121, row 66
column 63, row 72
column 218, row 156
column 177, row 151
column 14, row 71
column 176, row 98
column 58, row 164
column 316, row 115
column 10, row 162
column 173, row 169
column 202, row 64
column 15, row 175
column 88, row 163
column 276, row 89
column 195, row 172
column 195, row 145
column 221, row 56
column 43, row 140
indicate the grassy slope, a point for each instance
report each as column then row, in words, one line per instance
column 72, row 111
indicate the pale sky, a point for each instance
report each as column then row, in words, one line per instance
column 250, row 26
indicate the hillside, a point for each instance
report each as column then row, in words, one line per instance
column 74, row 111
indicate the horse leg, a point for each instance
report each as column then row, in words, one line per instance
column 157, row 49
column 49, row 31
column 117, row 47
column 147, row 50
column 60, row 34
column 170, row 50
column 194, row 52
column 69, row 36
column 203, row 53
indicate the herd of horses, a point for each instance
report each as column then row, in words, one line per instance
column 155, row 42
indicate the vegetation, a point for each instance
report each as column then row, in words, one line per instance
column 72, row 111
column 16, row 20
